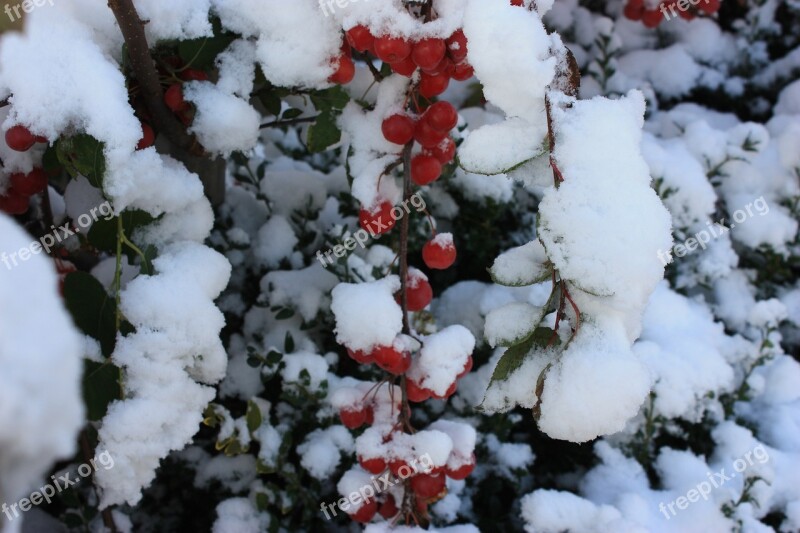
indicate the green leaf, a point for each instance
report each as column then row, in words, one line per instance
column 516, row 355
column 100, row 387
column 254, row 417
column 522, row 266
column 284, row 314
column 291, row 113
column 323, row 133
column 103, row 234
column 288, row 344
column 83, row 154
column 541, row 151
column 330, row 99
column 201, row 53
column 92, row 309
column 271, row 101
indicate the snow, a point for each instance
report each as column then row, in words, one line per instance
column 41, row 405
column 241, row 516
column 442, row 358
column 356, row 305
column 224, row 123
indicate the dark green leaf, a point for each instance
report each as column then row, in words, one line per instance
column 323, row 133
column 92, row 309
column 100, row 387
column 83, row 154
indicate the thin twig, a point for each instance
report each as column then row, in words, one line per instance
column 288, row 122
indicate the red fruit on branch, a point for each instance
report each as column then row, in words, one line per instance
column 379, row 221
column 392, row 49
column 360, row 38
column 406, row 67
column 445, row 151
column 388, row 509
column 416, row 393
column 14, row 203
column 445, row 66
column 433, row 85
column 442, row 116
column 375, row 465
column 173, row 97
column 634, row 10
column 463, row 71
column 20, row 138
column 353, row 418
column 467, row 368
column 363, row 358
column 398, row 129
column 29, row 184
column 425, row 169
column 709, row 6
column 463, row 471
column 392, row 360
column 345, row 71
column 652, row 18
column 428, row 53
column 366, row 512
column 439, row 254
column 428, row 137
column 396, row 465
column 148, row 137
column 418, row 291
column 516, row 2
column 428, row 486
column 457, row 46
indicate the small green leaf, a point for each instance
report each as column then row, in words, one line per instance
column 284, row 314
column 100, row 388
column 288, row 344
column 201, row 53
column 324, row 133
column 83, row 154
column 254, row 417
column 92, row 309
column 289, row 114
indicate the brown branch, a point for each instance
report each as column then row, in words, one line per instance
column 144, row 70
column 288, row 122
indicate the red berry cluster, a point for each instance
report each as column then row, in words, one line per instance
column 21, row 186
column 636, row 10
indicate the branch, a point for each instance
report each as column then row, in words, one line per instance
column 288, row 122
column 144, row 70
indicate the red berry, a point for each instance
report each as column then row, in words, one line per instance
column 173, row 97
column 13, row 203
column 445, row 66
column 516, row 2
column 445, row 151
column 193, row 74
column 20, row 138
column 439, row 253
column 467, row 368
column 416, row 393
column 463, row 72
column 427, row 53
column 425, row 169
column 378, row 222
column 365, row 512
column 353, row 418
column 406, row 67
column 709, row 6
column 457, row 46
column 369, row 415
column 392, row 49
column 463, row 471
column 359, row 356
column 398, row 129
column 433, row 85
column 428, row 137
column 428, row 485
column 652, row 18
column 345, row 71
column 148, row 137
column 442, row 116
column 360, row 38
column 634, row 10
column 392, row 360
column 376, row 465
column 686, row 15
column 29, row 184
column 388, row 509
column 396, row 465
column 418, row 291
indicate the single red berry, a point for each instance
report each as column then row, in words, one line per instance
column 427, row 53
column 29, row 184
column 425, row 169
column 13, row 203
column 193, row 74
column 439, row 253
column 388, row 508
column 148, row 137
column 652, row 18
column 428, row 137
column 421, row 505
column 686, row 15
column 428, row 486
column 396, row 465
column 363, row 358
column 418, row 291
column 467, row 368
column 20, row 138
column 173, row 97
column 516, row 2
column 378, row 222
column 463, row 71
column 463, row 471
column 360, row 38
column 375, row 465
column 345, row 71
column 406, row 67
column 416, row 393
column 392, row 49
column 353, row 418
column 442, row 116
column 366, row 512
column 430, row 86
column 445, row 151
column 392, row 360
column 457, row 46
column 398, row 129
column 445, row 66
column 709, row 6
column 634, row 10
column 369, row 413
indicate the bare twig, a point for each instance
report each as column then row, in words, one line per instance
column 288, row 122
